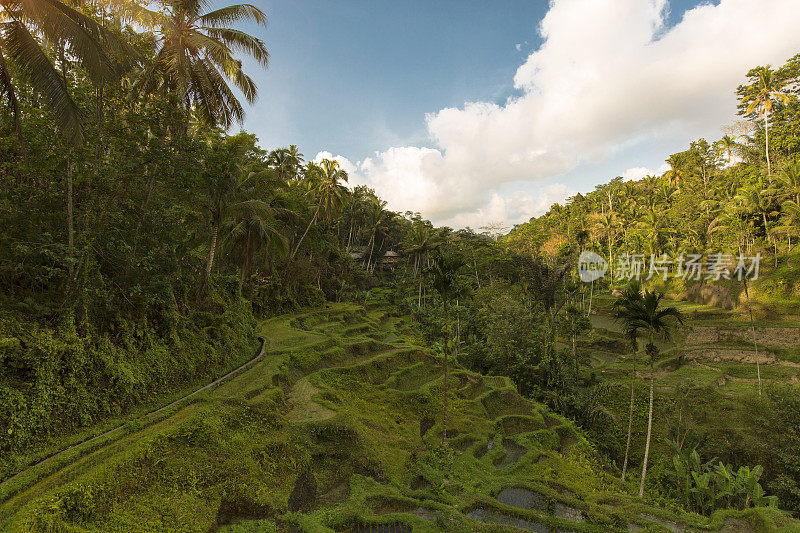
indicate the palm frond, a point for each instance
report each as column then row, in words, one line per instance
column 236, row 13
column 25, row 52
column 242, row 42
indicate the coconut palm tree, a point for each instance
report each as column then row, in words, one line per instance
column 194, row 55
column 286, row 161
column 253, row 220
column 376, row 216
column 631, row 295
column 25, row 24
column 753, row 198
column 444, row 274
column 224, row 164
column 727, row 147
column 418, row 245
column 760, row 95
column 606, row 225
column 323, row 182
column 675, row 172
column 646, row 313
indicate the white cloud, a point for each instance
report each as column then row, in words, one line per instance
column 345, row 164
column 637, row 173
column 514, row 209
column 608, row 77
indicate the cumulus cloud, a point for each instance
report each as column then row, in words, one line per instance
column 608, row 77
column 637, row 173
column 513, row 209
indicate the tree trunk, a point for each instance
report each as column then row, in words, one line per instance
column 246, row 262
column 313, row 219
column 419, row 296
column 574, row 351
column 766, row 140
column 591, row 293
column 630, row 423
column 753, row 333
column 446, row 389
column 649, row 430
column 209, row 259
column 70, row 218
column 610, row 260
column 371, row 248
column 143, row 210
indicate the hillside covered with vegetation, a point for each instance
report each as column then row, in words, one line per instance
column 198, row 333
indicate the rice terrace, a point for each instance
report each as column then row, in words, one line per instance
column 536, row 266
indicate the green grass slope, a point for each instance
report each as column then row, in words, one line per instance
column 338, row 428
column 706, row 382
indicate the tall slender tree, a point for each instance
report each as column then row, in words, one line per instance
column 759, row 96
column 444, row 275
column 628, row 299
column 648, row 314
column 325, row 187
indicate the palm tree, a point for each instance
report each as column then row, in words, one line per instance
column 286, row 161
column 444, row 273
column 24, row 24
column 727, row 146
column 417, row 245
column 224, row 165
column 647, row 313
column 675, row 172
column 253, row 223
column 606, row 225
column 761, row 200
column 631, row 295
column 194, row 58
column 652, row 226
column 376, row 215
column 323, row 181
column 760, row 96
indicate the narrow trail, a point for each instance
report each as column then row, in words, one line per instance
column 66, row 464
column 145, row 418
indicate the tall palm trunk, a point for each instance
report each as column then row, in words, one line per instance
column 245, row 262
column 349, row 237
column 313, row 219
column 371, row 248
column 753, row 333
column 766, row 140
column 649, row 417
column 630, row 422
column 70, row 217
column 209, row 258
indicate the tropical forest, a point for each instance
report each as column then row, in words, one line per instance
column 204, row 332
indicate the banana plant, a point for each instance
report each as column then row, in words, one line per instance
column 706, row 487
column 702, row 492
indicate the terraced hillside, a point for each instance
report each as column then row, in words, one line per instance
column 706, row 382
column 338, row 428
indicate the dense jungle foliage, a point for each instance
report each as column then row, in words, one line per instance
column 142, row 241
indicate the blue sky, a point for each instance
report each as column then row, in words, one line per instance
column 357, row 79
